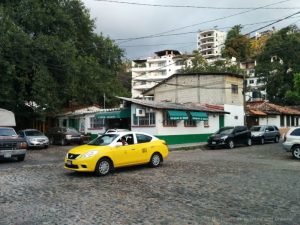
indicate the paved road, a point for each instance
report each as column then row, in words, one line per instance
column 246, row 185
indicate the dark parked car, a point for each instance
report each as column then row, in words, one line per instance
column 230, row 137
column 34, row 138
column 263, row 133
column 64, row 135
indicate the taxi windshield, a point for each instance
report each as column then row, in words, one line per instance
column 103, row 140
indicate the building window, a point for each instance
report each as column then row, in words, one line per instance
column 297, row 121
column 234, row 89
column 282, row 120
column 251, row 81
column 96, row 123
column 288, row 121
column 190, row 122
column 166, row 120
column 147, row 120
column 205, row 123
column 292, row 120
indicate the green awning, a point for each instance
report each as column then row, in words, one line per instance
column 121, row 114
column 202, row 116
column 177, row 115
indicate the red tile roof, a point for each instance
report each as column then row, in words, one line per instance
column 256, row 108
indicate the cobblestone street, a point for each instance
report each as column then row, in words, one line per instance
column 247, row 185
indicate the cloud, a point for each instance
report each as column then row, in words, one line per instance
column 126, row 21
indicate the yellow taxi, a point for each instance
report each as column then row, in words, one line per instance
column 113, row 150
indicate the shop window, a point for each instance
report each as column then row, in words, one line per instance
column 205, row 123
column 190, row 122
column 167, row 122
column 147, row 120
column 96, row 123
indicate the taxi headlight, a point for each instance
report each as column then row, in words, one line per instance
column 89, row 154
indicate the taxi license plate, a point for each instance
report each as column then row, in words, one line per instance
column 7, row 155
column 69, row 162
column 214, row 142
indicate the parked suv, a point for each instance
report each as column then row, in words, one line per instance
column 230, row 137
column 263, row 133
column 291, row 142
column 11, row 145
column 64, row 135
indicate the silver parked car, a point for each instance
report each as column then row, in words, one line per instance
column 34, row 138
column 264, row 133
column 291, row 142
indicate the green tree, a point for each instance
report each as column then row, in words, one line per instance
column 197, row 64
column 278, row 63
column 294, row 95
column 236, row 44
column 50, row 56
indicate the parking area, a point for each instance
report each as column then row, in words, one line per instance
column 247, row 185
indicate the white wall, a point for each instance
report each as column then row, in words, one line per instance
column 274, row 120
column 180, row 129
column 236, row 116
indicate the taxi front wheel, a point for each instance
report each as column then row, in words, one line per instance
column 155, row 160
column 103, row 167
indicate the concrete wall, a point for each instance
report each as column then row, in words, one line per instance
column 203, row 89
column 236, row 116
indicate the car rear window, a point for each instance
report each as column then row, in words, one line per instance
column 295, row 132
column 141, row 138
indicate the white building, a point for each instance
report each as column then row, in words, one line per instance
column 146, row 73
column 210, row 43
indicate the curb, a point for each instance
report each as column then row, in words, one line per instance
column 186, row 148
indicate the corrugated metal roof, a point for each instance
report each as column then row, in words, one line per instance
column 176, row 106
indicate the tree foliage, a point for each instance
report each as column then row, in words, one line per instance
column 50, row 56
column 197, row 64
column 236, row 44
column 278, row 63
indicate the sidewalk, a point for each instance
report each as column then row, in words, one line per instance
column 188, row 146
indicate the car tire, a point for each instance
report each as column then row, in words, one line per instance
column 20, row 158
column 155, row 160
column 276, row 139
column 262, row 140
column 103, row 167
column 296, row 152
column 230, row 144
column 249, row 142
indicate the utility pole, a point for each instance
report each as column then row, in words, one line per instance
column 244, row 98
column 104, row 101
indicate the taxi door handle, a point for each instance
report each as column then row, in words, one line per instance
column 133, row 149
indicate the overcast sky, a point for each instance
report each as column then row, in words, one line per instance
column 121, row 21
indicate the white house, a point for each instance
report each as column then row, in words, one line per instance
column 266, row 113
column 175, row 122
column 94, row 120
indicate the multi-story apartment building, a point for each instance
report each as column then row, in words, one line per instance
column 210, row 43
column 146, row 73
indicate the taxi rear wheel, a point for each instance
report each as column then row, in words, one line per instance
column 155, row 160
column 103, row 167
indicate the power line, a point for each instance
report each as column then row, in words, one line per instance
column 192, row 25
column 192, row 6
column 195, row 32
